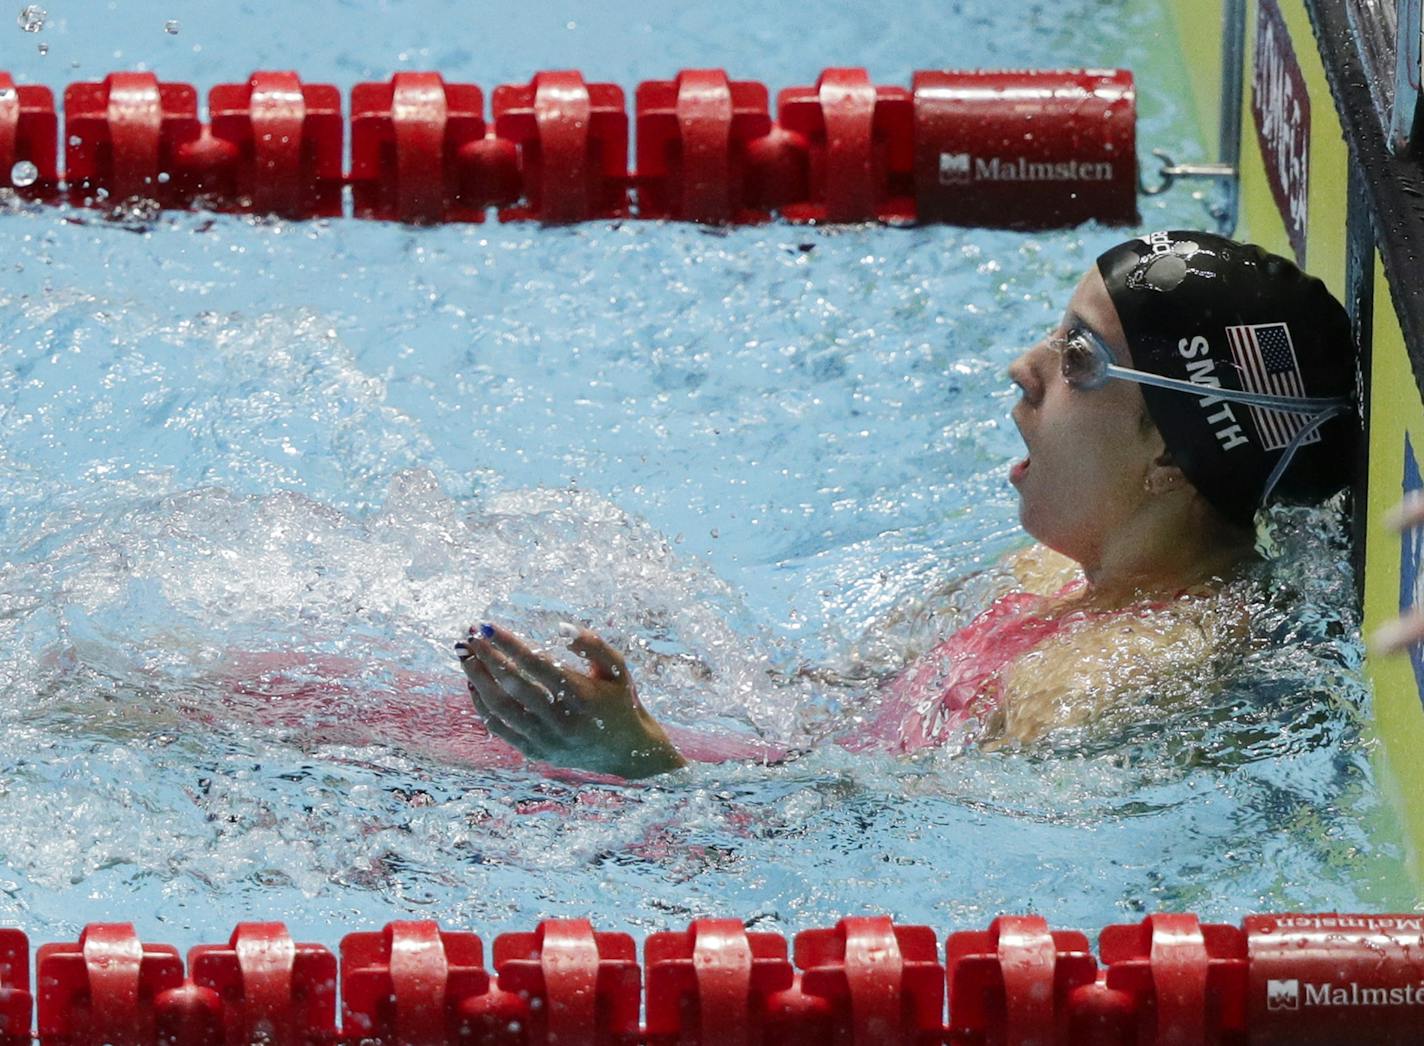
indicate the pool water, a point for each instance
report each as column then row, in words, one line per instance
column 257, row 476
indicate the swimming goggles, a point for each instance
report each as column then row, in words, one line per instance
column 1088, row 364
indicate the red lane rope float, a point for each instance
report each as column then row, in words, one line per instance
column 1302, row 980
column 693, row 137
column 1032, row 149
column 723, row 985
column 883, row 982
column 288, row 138
column 859, row 141
column 28, row 134
column 581, row 988
column 1186, row 979
column 271, row 987
column 427, row 134
column 572, row 139
column 104, row 989
column 123, row 135
column 16, row 1002
column 1016, row 980
column 409, row 984
column 1045, row 148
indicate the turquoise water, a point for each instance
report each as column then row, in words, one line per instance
column 256, row 476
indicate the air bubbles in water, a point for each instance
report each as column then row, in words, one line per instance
column 24, row 174
column 32, row 18
column 171, row 27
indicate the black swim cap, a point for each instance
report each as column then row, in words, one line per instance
column 1223, row 314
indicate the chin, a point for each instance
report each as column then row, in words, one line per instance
column 1050, row 532
column 1030, row 521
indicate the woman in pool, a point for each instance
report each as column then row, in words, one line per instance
column 1190, row 380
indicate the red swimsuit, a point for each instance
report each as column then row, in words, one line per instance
column 925, row 705
column 958, row 681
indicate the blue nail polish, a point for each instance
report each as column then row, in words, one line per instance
column 487, row 631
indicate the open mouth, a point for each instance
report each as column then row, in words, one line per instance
column 1017, row 472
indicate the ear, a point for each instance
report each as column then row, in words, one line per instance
column 1163, row 476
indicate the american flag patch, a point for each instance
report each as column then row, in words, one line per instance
column 1265, row 359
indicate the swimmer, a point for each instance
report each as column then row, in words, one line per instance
column 1190, row 381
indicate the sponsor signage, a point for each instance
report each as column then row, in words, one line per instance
column 1323, row 979
column 1280, row 105
column 1294, row 994
column 1022, row 149
column 958, row 168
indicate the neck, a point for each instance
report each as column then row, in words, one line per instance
column 1174, row 544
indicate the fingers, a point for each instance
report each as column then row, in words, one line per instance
column 533, row 699
column 493, row 723
column 607, row 662
column 508, row 704
column 528, row 663
column 1408, row 513
column 591, row 720
column 549, row 693
column 541, row 686
column 498, row 727
column 1399, row 634
column 1403, row 632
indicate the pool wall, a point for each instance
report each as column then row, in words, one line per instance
column 1319, row 183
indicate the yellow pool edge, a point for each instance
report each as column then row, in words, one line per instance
column 1395, row 408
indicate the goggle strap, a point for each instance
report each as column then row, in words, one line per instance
column 1290, row 404
column 1294, row 445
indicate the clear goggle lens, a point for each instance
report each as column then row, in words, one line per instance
column 1085, row 360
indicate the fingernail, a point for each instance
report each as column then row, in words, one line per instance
column 487, row 631
column 568, row 631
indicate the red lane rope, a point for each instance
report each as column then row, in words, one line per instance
column 1031, row 149
column 1168, row 980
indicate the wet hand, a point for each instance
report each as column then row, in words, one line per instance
column 591, row 720
column 1402, row 632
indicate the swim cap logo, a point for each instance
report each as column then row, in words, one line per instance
column 1167, row 264
column 1201, row 370
column 1160, row 242
column 1266, row 361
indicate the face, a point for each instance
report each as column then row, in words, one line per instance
column 1088, row 457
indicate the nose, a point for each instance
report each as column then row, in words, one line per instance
column 1027, row 372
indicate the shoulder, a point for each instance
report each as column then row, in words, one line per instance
column 1041, row 571
column 1098, row 660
